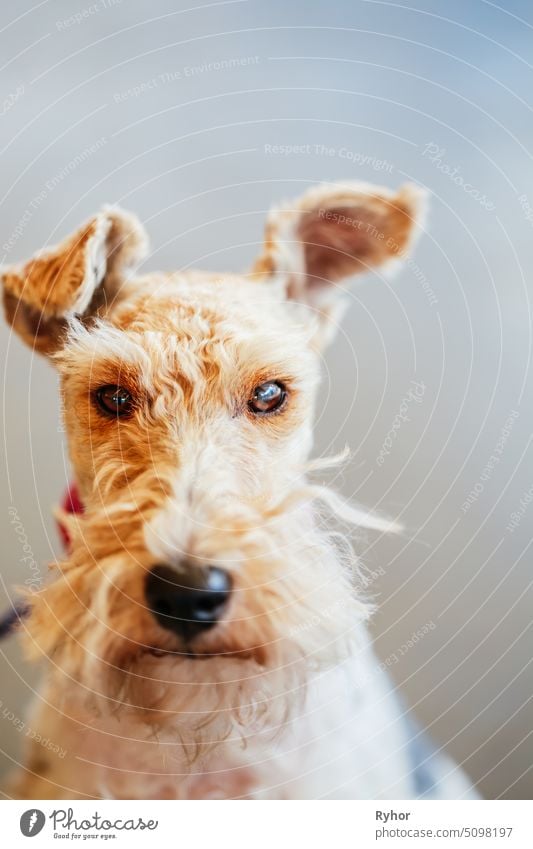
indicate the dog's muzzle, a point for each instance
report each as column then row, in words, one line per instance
column 187, row 602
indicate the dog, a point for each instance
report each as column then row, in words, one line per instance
column 204, row 636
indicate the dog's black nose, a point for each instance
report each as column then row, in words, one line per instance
column 187, row 602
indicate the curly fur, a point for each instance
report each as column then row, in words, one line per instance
column 271, row 701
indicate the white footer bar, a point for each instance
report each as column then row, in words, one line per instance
column 268, row 825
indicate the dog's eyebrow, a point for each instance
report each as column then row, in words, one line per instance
column 114, row 371
column 102, row 346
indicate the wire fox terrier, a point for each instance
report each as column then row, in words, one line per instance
column 204, row 635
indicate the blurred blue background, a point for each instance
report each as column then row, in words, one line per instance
column 172, row 109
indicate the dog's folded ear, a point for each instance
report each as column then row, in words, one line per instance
column 333, row 232
column 79, row 277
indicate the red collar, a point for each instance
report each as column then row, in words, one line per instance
column 71, row 504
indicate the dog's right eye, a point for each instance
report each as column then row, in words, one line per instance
column 114, row 400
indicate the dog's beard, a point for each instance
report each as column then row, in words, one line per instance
column 295, row 613
column 247, row 675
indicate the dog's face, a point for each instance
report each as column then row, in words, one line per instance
column 188, row 403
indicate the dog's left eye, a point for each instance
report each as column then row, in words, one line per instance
column 114, row 400
column 267, row 397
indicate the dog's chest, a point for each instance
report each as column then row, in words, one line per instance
column 346, row 742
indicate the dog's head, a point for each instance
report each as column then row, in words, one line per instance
column 188, row 402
